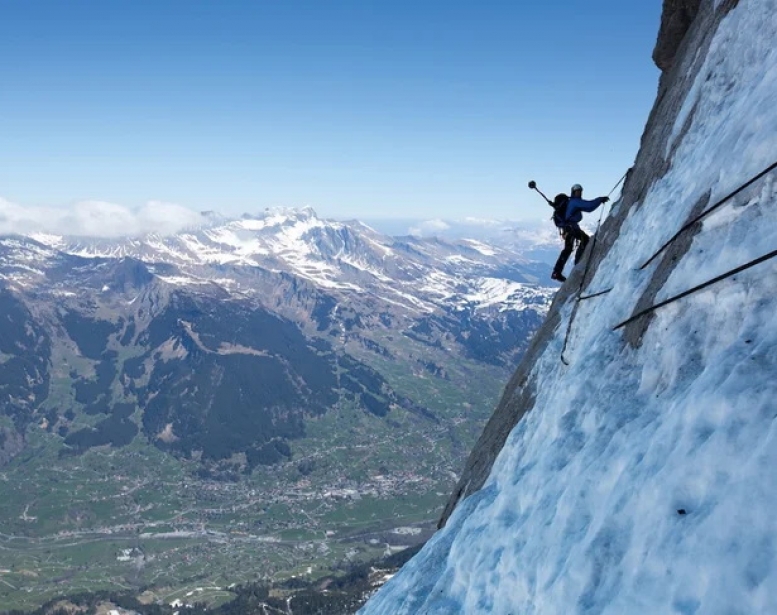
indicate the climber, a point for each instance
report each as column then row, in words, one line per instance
column 569, row 223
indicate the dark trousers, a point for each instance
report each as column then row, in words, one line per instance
column 571, row 234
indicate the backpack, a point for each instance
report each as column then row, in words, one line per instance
column 559, row 206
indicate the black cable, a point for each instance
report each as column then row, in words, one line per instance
column 580, row 290
column 600, row 293
column 707, row 212
column 609, row 194
column 728, row 274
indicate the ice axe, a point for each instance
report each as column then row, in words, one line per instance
column 533, row 186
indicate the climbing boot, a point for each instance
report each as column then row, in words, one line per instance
column 556, row 275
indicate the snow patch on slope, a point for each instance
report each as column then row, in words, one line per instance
column 480, row 247
column 504, row 294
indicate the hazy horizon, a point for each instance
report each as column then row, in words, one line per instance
column 109, row 220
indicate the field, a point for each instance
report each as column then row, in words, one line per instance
column 136, row 518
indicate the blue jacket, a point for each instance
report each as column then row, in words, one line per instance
column 576, row 207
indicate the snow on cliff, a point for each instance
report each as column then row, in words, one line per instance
column 642, row 480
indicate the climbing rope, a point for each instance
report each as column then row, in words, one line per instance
column 690, row 291
column 589, row 257
column 722, row 201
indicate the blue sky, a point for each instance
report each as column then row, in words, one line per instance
column 412, row 109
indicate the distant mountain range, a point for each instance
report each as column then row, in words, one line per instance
column 280, row 376
column 535, row 240
column 227, row 337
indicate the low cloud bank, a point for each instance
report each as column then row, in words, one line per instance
column 429, row 228
column 97, row 219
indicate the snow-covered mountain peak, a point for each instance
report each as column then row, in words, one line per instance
column 420, row 274
column 275, row 216
column 49, row 239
